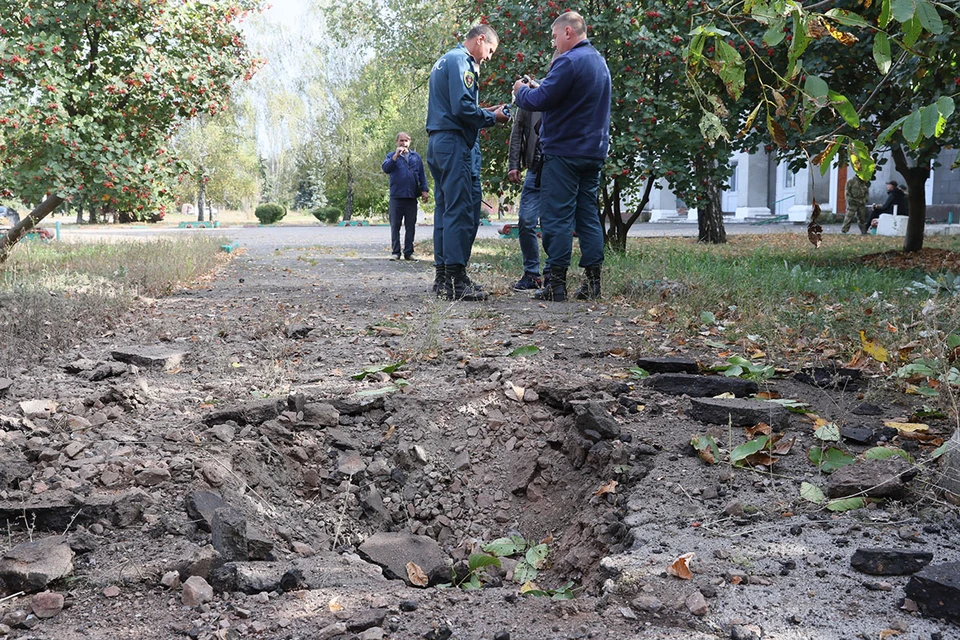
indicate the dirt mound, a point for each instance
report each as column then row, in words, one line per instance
column 927, row 260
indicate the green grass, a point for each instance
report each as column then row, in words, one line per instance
column 774, row 290
column 53, row 294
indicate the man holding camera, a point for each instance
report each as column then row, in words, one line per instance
column 574, row 136
column 407, row 182
column 454, row 120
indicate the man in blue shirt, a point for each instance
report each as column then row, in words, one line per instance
column 408, row 181
column 454, row 120
column 574, row 136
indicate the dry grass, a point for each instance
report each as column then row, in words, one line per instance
column 51, row 295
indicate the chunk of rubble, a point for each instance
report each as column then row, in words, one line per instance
column 253, row 412
column 653, row 364
column 872, row 479
column 31, row 566
column 936, row 590
column 154, row 357
column 741, row 412
column 879, row 561
column 678, row 384
column 392, row 552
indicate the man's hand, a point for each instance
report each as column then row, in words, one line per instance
column 423, row 196
column 399, row 152
column 501, row 116
column 514, row 176
column 519, row 83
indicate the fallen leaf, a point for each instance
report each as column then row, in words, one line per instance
column 528, row 586
column 761, row 457
column 334, row 604
column 416, row 575
column 886, row 633
column 606, row 487
column 762, row 428
column 768, row 395
column 736, row 579
column 389, row 432
column 681, row 567
column 784, row 446
column 872, row 349
column 725, row 395
column 907, row 427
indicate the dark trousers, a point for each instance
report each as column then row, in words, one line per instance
column 403, row 211
column 568, row 202
column 454, row 218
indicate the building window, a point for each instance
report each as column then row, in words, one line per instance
column 789, row 178
column 733, row 177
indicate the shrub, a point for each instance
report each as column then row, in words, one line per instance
column 269, row 213
column 330, row 215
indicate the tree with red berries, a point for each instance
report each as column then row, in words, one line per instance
column 91, row 91
column 655, row 132
column 843, row 81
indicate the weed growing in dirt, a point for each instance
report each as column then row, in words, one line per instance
column 50, row 294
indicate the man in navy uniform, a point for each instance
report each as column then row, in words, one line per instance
column 454, row 120
column 574, row 137
column 408, row 181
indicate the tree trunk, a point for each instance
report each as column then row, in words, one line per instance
column 24, row 226
column 201, row 197
column 916, row 180
column 348, row 205
column 709, row 209
column 80, row 212
column 615, row 228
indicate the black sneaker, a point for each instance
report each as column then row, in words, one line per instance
column 529, row 282
column 410, row 257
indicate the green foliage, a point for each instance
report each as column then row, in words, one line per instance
column 740, row 367
column 90, row 92
column 268, row 213
column 330, row 215
column 829, row 460
column 525, row 350
column 739, row 455
column 377, row 368
column 534, row 556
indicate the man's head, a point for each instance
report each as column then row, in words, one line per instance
column 403, row 140
column 891, row 185
column 568, row 31
column 481, row 42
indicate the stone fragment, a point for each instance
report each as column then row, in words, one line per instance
column 331, row 631
column 5, row 384
column 858, row 435
column 155, row 356
column 889, row 562
column 151, row 476
column 350, row 463
column 111, row 592
column 248, row 577
column 254, row 412
column 297, row 331
column 30, row 566
column 701, row 386
column 46, row 604
column 556, row 396
column 366, row 620
column 373, row 505
column 936, row 590
column 650, row 604
column 171, row 580
column 200, row 507
column 355, row 405
column 229, row 529
column 746, row 632
column 742, row 412
column 840, row 378
column 591, row 416
column 697, row 604
column 375, row 633
column 868, row 409
column 342, row 440
column 872, row 479
column 38, row 409
column 655, row 364
column 321, row 413
column 200, row 562
column 195, row 592
column 392, row 552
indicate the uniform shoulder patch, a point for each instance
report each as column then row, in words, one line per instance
column 469, row 79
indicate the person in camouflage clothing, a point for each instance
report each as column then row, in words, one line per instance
column 856, row 193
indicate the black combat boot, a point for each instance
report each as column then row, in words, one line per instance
column 554, row 285
column 437, row 287
column 457, row 285
column 590, row 287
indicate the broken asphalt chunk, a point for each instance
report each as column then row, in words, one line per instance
column 889, row 562
column 678, row 384
column 741, row 412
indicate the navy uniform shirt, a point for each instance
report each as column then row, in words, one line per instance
column 407, row 177
column 454, row 102
column 575, row 101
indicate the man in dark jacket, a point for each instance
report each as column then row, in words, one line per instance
column 895, row 204
column 574, row 136
column 408, row 181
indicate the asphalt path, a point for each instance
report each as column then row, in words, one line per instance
column 371, row 238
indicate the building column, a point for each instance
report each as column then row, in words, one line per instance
column 663, row 204
column 753, row 197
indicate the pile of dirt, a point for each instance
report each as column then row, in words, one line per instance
column 927, row 260
column 295, row 450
